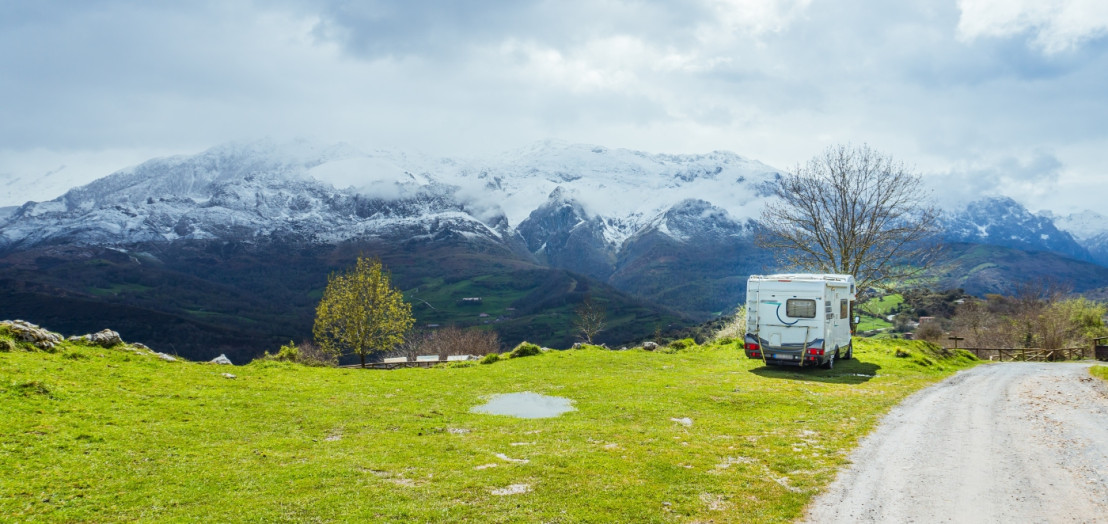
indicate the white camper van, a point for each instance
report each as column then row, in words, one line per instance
column 799, row 320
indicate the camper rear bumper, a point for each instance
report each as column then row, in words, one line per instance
column 784, row 357
column 777, row 356
column 788, row 355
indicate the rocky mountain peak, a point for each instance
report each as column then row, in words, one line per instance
column 1002, row 221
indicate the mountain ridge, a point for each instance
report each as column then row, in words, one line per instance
column 676, row 231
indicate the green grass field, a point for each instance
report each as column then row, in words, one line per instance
column 1099, row 371
column 885, row 304
column 880, row 307
column 534, row 305
column 93, row 434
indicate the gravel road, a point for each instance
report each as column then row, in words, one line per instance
column 1010, row 442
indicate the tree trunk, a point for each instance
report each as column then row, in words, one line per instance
column 363, row 359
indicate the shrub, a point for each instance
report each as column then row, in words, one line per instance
column 525, row 349
column 733, row 329
column 590, row 346
column 490, row 358
column 684, row 343
column 288, row 353
column 930, row 332
column 459, row 364
column 6, row 345
column 305, row 353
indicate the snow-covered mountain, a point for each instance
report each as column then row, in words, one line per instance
column 245, row 191
column 1001, row 221
column 628, row 189
column 567, row 205
column 649, row 224
column 328, row 194
column 1091, row 231
column 229, row 247
column 1082, row 226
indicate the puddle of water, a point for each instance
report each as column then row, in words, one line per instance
column 525, row 405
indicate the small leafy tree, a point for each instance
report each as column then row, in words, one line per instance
column 361, row 312
column 1087, row 319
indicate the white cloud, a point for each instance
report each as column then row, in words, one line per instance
column 756, row 17
column 1031, row 178
column 1058, row 25
column 947, row 86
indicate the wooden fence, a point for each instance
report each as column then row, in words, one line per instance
column 425, row 361
column 1032, row 354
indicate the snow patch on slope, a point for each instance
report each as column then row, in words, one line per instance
column 1084, row 225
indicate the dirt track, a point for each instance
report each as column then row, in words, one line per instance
column 1012, row 442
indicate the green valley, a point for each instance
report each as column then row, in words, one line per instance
column 702, row 433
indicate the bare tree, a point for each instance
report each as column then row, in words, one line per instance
column 590, row 319
column 851, row 210
column 447, row 341
column 1042, row 314
column 975, row 323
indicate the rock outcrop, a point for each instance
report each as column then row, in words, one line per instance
column 103, row 338
column 222, row 359
column 28, row 332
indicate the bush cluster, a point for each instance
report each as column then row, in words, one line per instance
column 1029, row 320
column 734, row 328
column 304, row 353
column 525, row 349
column 448, row 341
column 684, row 343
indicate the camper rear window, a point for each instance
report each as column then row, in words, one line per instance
column 800, row 308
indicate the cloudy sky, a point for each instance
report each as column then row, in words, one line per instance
column 982, row 96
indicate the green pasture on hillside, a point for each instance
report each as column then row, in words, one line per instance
column 701, row 434
column 879, row 308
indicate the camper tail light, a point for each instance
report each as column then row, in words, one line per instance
column 750, row 346
column 815, row 351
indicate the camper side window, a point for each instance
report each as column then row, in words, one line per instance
column 844, row 308
column 800, row 308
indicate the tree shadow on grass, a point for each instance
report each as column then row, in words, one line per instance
column 851, row 371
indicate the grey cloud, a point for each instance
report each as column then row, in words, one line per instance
column 1019, row 178
column 437, row 30
column 444, row 77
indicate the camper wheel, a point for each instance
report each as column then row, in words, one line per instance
column 849, row 351
column 830, row 364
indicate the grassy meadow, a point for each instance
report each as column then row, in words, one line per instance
column 94, row 434
column 878, row 308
